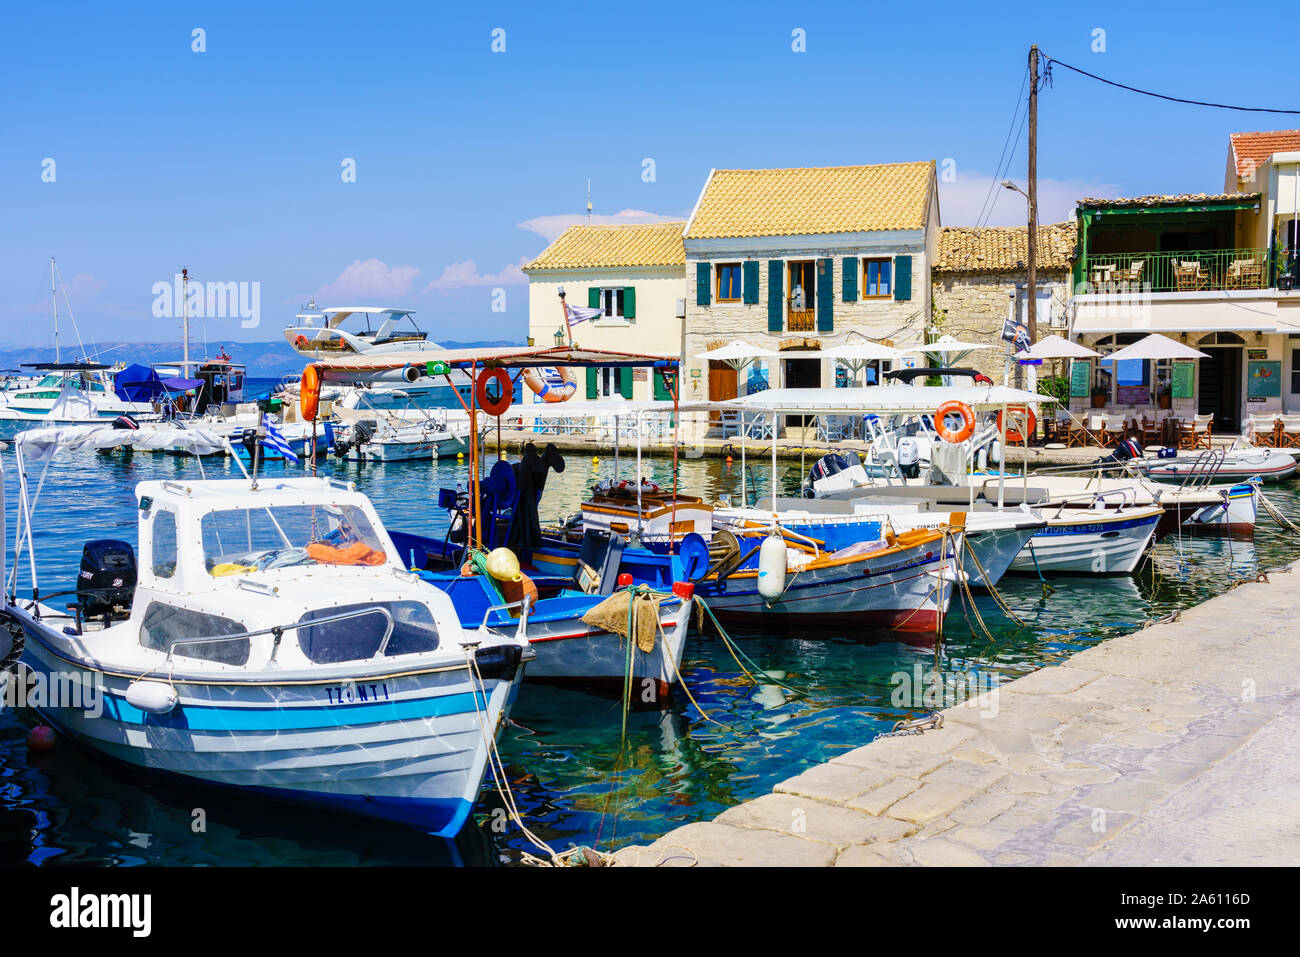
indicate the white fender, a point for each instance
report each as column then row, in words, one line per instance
column 154, row 697
column 771, row 567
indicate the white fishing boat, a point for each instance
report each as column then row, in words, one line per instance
column 270, row 640
column 1220, row 465
column 380, row 436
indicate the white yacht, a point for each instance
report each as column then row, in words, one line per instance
column 68, row 393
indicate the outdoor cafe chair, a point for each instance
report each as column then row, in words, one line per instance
column 1114, row 428
column 1076, row 433
column 1149, row 431
column 1288, row 431
column 1196, row 433
column 758, row 428
column 1188, row 275
column 1264, row 429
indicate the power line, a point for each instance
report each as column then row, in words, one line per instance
column 1162, row 96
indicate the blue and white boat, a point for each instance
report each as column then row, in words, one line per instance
column 270, row 639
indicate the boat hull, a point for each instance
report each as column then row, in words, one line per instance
column 1090, row 541
column 404, row 746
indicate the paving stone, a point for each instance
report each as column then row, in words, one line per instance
column 978, row 776
column 975, row 756
column 980, row 838
column 1132, row 794
column 1080, row 777
column 1059, row 680
column 879, row 800
column 1116, row 689
column 814, row 821
column 941, row 852
column 1146, row 740
column 893, row 761
column 870, row 855
column 931, row 800
column 1027, row 784
column 724, row 845
column 833, row 782
column 984, row 808
column 1080, row 831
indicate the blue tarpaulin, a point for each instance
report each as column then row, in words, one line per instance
column 178, row 384
column 137, row 383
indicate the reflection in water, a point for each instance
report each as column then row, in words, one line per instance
column 575, row 779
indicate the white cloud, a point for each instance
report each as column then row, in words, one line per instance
column 465, row 273
column 81, row 287
column 370, row 278
column 549, row 227
column 960, row 202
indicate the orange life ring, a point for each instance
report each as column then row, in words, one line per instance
column 485, row 402
column 1014, row 435
column 301, row 342
column 309, row 393
column 953, row 406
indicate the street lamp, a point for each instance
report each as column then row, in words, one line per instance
column 1031, row 243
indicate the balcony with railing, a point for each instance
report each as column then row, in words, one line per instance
column 1199, row 270
column 799, row 320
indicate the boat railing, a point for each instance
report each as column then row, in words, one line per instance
column 524, row 605
column 1205, row 468
column 278, row 631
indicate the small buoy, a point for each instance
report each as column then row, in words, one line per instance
column 151, row 697
column 595, row 460
column 460, row 456
column 728, row 458
column 503, row 565
column 624, row 580
column 40, row 738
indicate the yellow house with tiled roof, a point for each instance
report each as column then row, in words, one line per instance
column 635, row 274
column 799, row 260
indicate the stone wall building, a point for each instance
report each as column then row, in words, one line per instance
column 979, row 280
column 798, row 260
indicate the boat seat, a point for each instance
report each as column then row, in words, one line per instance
column 599, row 558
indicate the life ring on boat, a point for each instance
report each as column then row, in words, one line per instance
column 954, row 407
column 309, row 394
column 567, row 387
column 301, row 342
column 499, row 405
column 1014, row 435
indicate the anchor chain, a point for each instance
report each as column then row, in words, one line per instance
column 931, row 722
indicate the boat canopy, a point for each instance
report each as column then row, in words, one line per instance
column 137, row 383
column 36, row 445
column 889, row 399
column 347, row 368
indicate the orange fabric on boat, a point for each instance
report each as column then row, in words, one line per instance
column 358, row 553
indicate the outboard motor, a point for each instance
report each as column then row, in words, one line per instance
column 248, row 438
column 1128, row 449
column 106, row 581
column 125, row 422
column 909, row 457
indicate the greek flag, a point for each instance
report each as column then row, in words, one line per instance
column 275, row 439
column 579, row 314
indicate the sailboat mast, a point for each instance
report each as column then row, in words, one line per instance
column 55, row 299
column 185, row 325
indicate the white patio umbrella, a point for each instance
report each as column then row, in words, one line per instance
column 952, row 350
column 1057, row 347
column 857, row 355
column 1155, row 346
column 737, row 354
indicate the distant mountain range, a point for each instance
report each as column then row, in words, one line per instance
column 264, row 360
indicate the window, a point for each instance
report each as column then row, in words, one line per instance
column 607, row 383
column 246, row 541
column 167, row 625
column 359, row 638
column 611, row 302
column 729, row 282
column 877, row 278
column 1295, row 370
column 162, row 546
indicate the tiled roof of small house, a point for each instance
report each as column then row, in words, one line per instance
column 813, row 201
column 975, row 249
column 1251, row 150
column 1169, row 199
column 602, row 246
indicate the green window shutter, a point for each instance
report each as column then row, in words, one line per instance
column 825, row 295
column 850, row 281
column 629, row 302
column 593, row 297
column 775, row 295
column 902, row 278
column 625, row 382
column 751, row 281
column 593, row 382
column 703, row 293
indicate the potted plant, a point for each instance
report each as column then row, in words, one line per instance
column 1165, row 397
column 1100, row 395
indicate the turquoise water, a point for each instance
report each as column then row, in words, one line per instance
column 574, row 779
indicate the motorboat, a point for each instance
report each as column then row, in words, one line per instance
column 1219, row 465
column 68, row 393
column 318, row 334
column 266, row 636
column 380, row 435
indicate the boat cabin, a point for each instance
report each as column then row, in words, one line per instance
column 387, row 329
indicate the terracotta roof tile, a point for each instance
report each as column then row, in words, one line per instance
column 975, row 249
column 813, row 201
column 628, row 245
column 1251, row 150
column 1170, row 199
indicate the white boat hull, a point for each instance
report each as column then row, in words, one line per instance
column 1090, row 541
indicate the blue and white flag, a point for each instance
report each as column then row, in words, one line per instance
column 275, row 439
column 579, row 314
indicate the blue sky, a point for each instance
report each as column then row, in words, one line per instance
column 229, row 161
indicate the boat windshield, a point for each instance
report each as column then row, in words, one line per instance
column 241, row 541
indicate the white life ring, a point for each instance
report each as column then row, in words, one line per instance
column 561, row 386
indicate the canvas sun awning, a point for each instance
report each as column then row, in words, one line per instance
column 1155, row 346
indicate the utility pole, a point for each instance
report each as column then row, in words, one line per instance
column 185, row 326
column 1033, row 195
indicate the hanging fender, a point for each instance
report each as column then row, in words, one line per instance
column 309, row 395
